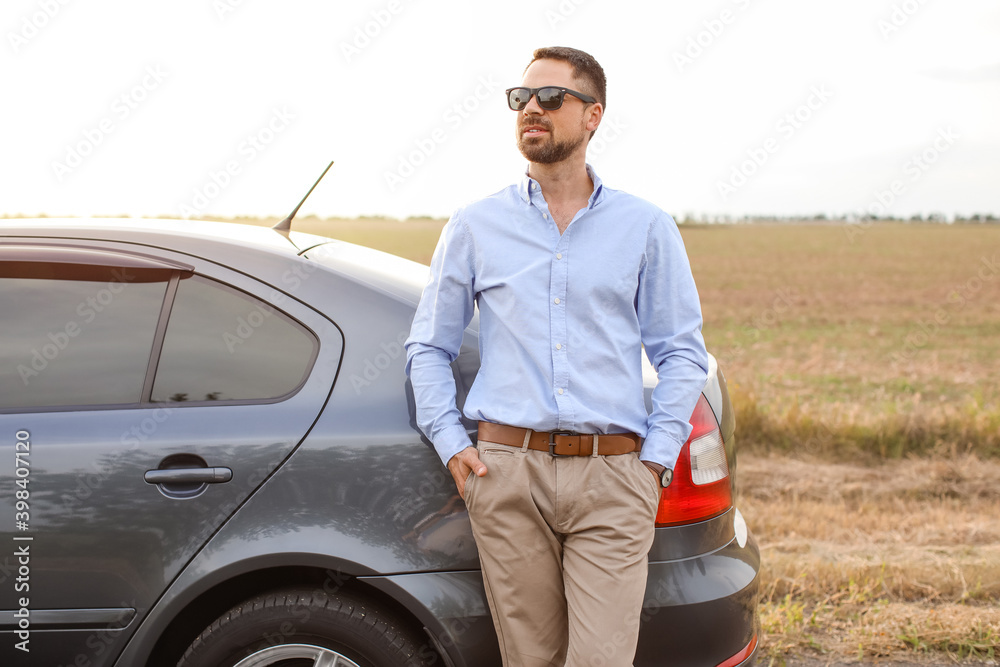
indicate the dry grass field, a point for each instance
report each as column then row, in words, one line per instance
column 865, row 367
column 846, row 342
column 898, row 561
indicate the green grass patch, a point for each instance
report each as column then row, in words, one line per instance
column 885, row 435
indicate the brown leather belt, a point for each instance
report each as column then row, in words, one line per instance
column 559, row 443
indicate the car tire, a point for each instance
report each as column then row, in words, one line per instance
column 307, row 627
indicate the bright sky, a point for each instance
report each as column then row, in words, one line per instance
column 234, row 107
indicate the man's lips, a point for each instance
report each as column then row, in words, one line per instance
column 533, row 130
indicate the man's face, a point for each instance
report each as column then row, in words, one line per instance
column 547, row 137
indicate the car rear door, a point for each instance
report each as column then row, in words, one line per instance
column 144, row 395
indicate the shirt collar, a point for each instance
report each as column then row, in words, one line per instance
column 528, row 185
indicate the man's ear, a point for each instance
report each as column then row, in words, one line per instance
column 594, row 115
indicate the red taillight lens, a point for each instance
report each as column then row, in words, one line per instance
column 700, row 489
column 743, row 655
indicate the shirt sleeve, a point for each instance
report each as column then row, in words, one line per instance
column 445, row 310
column 670, row 323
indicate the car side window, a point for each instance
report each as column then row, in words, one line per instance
column 76, row 335
column 223, row 344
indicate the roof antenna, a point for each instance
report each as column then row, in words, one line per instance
column 286, row 224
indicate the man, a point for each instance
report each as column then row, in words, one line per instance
column 572, row 280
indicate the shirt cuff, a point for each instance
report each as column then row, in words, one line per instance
column 661, row 448
column 451, row 441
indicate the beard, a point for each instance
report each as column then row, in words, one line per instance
column 546, row 150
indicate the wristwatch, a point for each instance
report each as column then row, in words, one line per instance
column 665, row 474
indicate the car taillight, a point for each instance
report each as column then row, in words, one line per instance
column 700, row 489
column 743, row 655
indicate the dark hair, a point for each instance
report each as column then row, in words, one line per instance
column 585, row 67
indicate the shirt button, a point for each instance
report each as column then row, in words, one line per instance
column 560, row 392
column 557, row 301
column 558, row 346
column 558, row 255
column 545, row 216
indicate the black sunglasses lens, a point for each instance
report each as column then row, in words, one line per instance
column 518, row 98
column 550, row 98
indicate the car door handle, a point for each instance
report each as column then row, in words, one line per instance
column 188, row 476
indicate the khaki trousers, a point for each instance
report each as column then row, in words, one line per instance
column 563, row 544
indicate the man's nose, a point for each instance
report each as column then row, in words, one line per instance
column 532, row 107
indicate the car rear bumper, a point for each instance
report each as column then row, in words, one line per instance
column 702, row 611
column 718, row 628
column 699, row 611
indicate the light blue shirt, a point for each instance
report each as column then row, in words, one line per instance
column 563, row 320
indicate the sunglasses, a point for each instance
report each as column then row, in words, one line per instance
column 549, row 98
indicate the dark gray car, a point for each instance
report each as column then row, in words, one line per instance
column 210, row 458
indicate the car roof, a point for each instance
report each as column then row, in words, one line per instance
column 136, row 229
column 236, row 244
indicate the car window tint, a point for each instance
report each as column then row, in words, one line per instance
column 222, row 344
column 75, row 342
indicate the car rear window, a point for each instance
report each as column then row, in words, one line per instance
column 223, row 344
column 72, row 341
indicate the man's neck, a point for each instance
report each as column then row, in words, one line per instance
column 564, row 181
